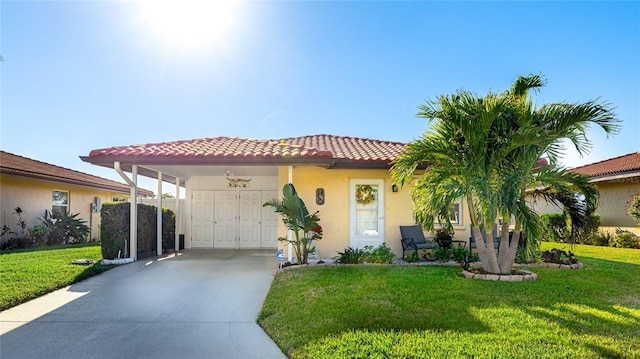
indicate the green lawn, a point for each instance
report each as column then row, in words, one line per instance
column 423, row 312
column 27, row 274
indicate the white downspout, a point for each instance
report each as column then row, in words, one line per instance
column 159, row 217
column 133, row 218
column 290, row 232
column 178, row 227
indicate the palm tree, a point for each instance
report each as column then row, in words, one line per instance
column 487, row 150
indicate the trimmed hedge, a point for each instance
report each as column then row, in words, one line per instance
column 114, row 229
column 168, row 229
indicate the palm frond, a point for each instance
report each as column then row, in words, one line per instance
column 523, row 84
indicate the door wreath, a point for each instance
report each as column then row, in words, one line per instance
column 365, row 194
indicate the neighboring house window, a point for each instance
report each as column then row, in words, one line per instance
column 117, row 199
column 60, row 201
column 455, row 213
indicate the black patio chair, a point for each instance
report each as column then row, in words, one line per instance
column 494, row 233
column 413, row 239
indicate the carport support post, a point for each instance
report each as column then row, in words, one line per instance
column 177, row 239
column 159, row 217
column 133, row 225
column 290, row 232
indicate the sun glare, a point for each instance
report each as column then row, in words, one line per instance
column 190, row 24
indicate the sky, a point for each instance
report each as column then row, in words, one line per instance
column 83, row 75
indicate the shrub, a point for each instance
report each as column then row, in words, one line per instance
column 601, row 239
column 558, row 256
column 62, row 228
column 588, row 229
column 554, row 227
column 557, row 227
column 413, row 257
column 381, row 254
column 521, row 255
column 459, row 253
column 351, row 256
column 20, row 238
column 474, row 257
column 442, row 253
column 39, row 234
column 624, row 239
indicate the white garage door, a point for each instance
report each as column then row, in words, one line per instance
column 233, row 219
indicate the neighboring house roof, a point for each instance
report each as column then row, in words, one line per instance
column 15, row 165
column 618, row 167
column 328, row 150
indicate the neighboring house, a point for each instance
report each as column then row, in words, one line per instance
column 36, row 186
column 227, row 179
column 618, row 179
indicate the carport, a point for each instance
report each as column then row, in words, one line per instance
column 226, row 180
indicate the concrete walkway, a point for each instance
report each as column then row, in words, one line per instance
column 196, row 304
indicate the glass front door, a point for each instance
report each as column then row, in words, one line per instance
column 366, row 204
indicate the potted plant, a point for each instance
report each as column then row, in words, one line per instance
column 297, row 218
column 444, row 236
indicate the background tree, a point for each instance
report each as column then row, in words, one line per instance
column 488, row 150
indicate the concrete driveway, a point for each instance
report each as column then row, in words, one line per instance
column 196, row 304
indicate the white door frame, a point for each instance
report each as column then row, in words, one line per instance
column 374, row 236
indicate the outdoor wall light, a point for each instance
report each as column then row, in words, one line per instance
column 394, row 188
column 320, row 196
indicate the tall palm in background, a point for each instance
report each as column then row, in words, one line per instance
column 487, row 150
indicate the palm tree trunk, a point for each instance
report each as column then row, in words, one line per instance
column 508, row 249
column 487, row 258
column 492, row 257
column 482, row 249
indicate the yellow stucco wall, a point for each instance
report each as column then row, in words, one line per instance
column 613, row 202
column 334, row 214
column 35, row 196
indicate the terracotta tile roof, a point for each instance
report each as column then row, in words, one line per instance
column 25, row 167
column 621, row 165
column 319, row 148
column 214, row 147
column 352, row 148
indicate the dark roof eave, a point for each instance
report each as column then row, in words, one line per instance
column 614, row 176
column 335, row 163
